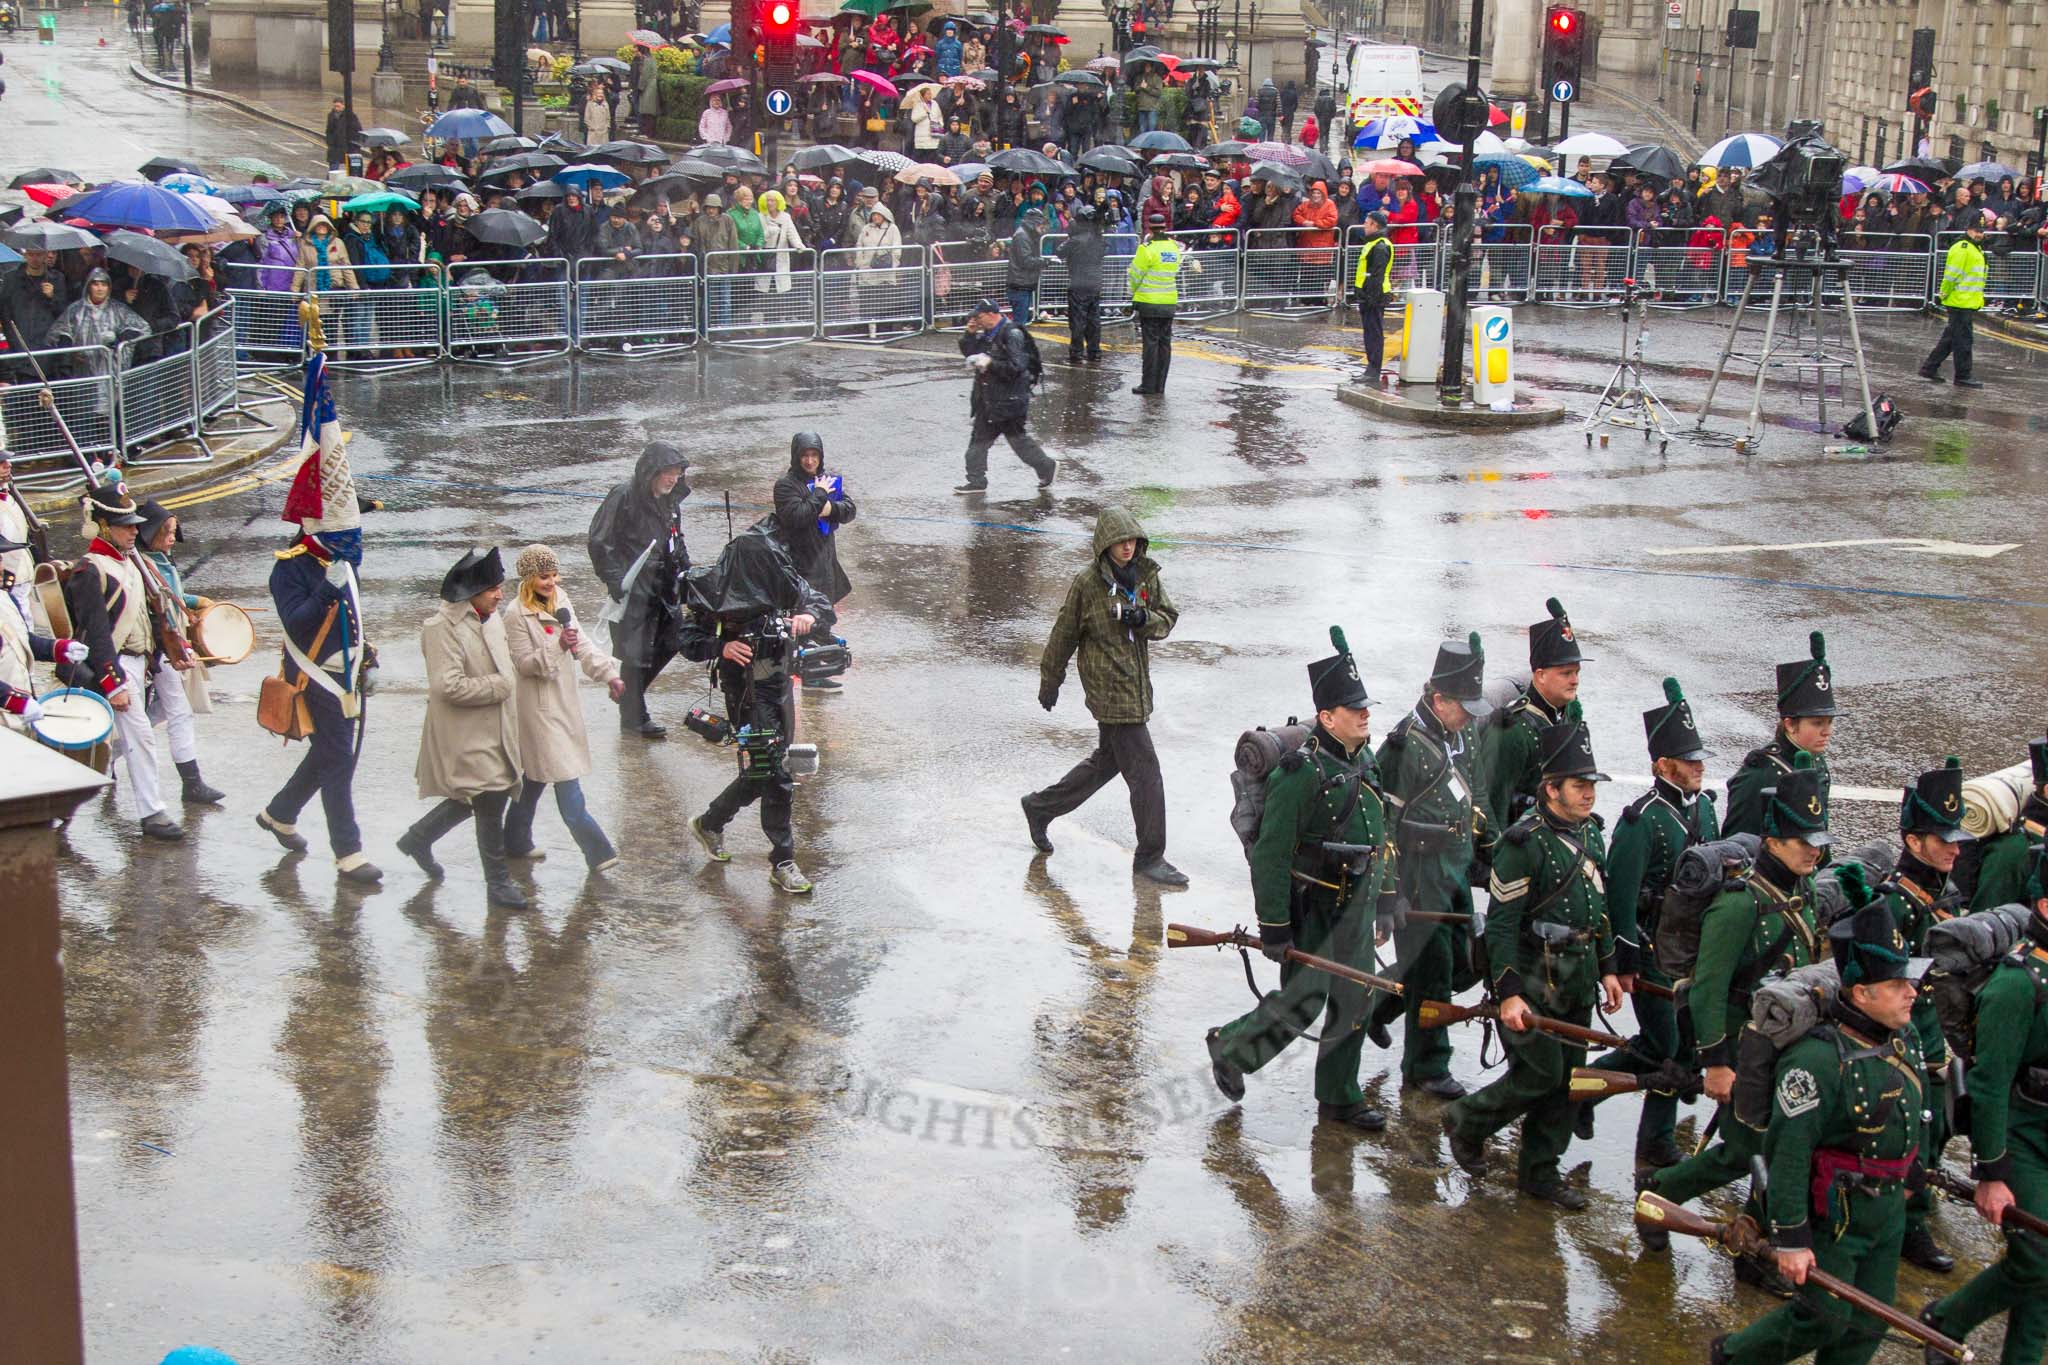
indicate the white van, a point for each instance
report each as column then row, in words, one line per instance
column 1383, row 81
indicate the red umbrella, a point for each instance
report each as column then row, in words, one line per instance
column 1390, row 166
column 729, row 83
column 882, row 85
column 913, row 53
column 47, row 195
column 1495, row 116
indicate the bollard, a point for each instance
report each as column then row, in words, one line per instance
column 1493, row 356
column 1422, row 336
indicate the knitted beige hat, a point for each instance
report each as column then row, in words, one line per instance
column 535, row 561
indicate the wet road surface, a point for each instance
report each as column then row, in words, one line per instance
column 955, row 1104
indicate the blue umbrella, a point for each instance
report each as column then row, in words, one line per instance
column 1558, row 184
column 1379, row 133
column 9, row 256
column 129, row 204
column 720, row 36
column 586, row 176
column 184, row 182
column 1515, row 173
column 1747, row 150
column 253, row 195
column 468, row 123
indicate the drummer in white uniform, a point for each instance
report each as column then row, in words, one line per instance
column 179, row 692
column 21, row 649
column 14, row 530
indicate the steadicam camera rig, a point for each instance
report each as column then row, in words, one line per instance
column 1803, row 276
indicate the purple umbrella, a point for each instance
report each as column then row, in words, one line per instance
column 729, row 83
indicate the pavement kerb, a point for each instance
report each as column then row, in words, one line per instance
column 151, row 481
column 250, row 107
column 1421, row 409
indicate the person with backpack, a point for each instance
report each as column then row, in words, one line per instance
column 1843, row 1143
column 1654, row 831
column 1930, row 831
column 1513, row 757
column 2008, row 1129
column 1320, row 900
column 1806, row 722
column 1115, row 608
column 1550, row 952
column 1759, row 922
column 1430, row 763
column 2001, row 861
column 1006, row 368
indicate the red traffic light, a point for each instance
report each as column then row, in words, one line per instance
column 781, row 16
column 1562, row 22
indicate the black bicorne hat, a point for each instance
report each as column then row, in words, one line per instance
column 476, row 571
column 1670, row 728
column 1334, row 681
column 1806, row 687
column 1551, row 641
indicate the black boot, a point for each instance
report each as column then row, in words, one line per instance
column 417, row 843
column 490, row 848
column 1468, row 1154
column 197, row 793
column 1929, row 1318
column 1228, row 1075
column 1922, row 1250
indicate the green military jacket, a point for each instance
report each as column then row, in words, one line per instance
column 1513, row 760
column 1433, row 794
column 2004, row 858
column 1116, row 661
column 1655, row 828
column 1307, row 800
column 1746, row 933
column 1761, row 770
column 1848, row 1087
column 1915, row 910
column 1546, row 873
column 2012, row 1040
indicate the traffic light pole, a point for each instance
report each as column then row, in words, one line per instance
column 1450, row 389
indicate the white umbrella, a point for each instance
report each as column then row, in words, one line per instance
column 1486, row 143
column 1746, row 150
column 1590, row 144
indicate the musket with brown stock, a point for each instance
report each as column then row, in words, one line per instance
column 1439, row 1014
column 1668, row 1078
column 1190, row 936
column 1742, row 1237
column 1959, row 1187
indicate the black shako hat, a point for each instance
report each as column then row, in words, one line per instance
column 1670, row 729
column 1334, row 681
column 1797, row 808
column 1551, row 642
column 472, row 574
column 1934, row 804
column 2037, row 754
column 1806, row 687
column 1567, row 747
column 1460, row 674
column 1869, row 948
column 110, row 505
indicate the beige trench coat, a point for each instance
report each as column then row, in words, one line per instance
column 553, row 746
column 470, row 743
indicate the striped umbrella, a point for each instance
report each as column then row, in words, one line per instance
column 1515, row 173
column 1895, row 183
column 1747, row 150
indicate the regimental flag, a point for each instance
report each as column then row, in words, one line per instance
column 322, row 499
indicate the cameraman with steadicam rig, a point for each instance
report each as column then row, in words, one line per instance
column 746, row 611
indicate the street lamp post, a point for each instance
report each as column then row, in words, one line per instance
column 185, row 21
column 385, row 59
column 1451, row 391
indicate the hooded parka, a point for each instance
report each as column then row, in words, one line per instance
column 1115, row 663
column 800, row 520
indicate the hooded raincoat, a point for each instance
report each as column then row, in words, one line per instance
column 1115, row 663
column 634, row 522
column 800, row 520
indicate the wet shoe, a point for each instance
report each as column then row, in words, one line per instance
column 162, row 826
column 965, row 488
column 411, row 847
column 1036, row 825
column 505, row 895
column 1382, row 1038
column 823, row 685
column 1932, row 376
column 1922, row 1250
column 1659, row 1153
column 1582, row 1121
column 1363, row 1117
column 1655, row 1236
column 287, row 835
column 359, row 870
column 1969, row 383
column 531, row 855
column 1144, row 392
column 789, row 877
column 712, row 839
column 1717, row 1349
column 1443, row 1087
column 1229, row 1077
column 196, row 792
column 1567, row 1197
column 646, row 729
column 1161, row 871
column 1470, row 1155
column 1046, row 480
column 1759, row 1273
column 606, row 865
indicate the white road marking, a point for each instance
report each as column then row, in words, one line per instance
column 1912, row 544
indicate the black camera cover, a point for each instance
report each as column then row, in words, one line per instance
column 753, row 576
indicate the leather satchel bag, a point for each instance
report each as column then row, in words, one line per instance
column 281, row 705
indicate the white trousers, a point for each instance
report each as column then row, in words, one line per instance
column 135, row 741
column 172, row 709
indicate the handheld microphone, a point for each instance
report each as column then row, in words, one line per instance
column 563, row 618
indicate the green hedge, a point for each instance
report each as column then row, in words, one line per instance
column 682, row 100
column 1173, row 105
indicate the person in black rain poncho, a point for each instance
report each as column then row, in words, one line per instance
column 810, row 507
column 636, row 547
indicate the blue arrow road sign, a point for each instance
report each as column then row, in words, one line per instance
column 1562, row 91
column 1496, row 329
column 779, row 102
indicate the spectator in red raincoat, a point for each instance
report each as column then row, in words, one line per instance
column 1311, row 132
column 1402, row 216
column 1317, row 213
column 1703, row 244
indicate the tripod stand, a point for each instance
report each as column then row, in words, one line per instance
column 1628, row 400
column 1802, row 346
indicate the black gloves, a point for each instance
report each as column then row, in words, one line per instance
column 1391, row 915
column 1048, row 695
column 1135, row 617
column 1275, row 940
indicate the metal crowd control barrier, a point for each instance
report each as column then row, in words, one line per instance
column 754, row 300
column 508, row 312
column 82, row 381
column 1120, row 247
column 1503, row 271
column 1209, row 276
column 648, row 310
column 1896, row 275
column 2007, row 278
column 1681, row 267
column 390, row 320
column 871, row 293
column 267, row 330
column 957, row 284
column 1285, row 275
column 1583, row 269
column 1739, row 251
column 157, row 397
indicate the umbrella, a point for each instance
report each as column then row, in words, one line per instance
column 384, row 137
column 157, row 167
column 927, row 175
column 255, row 166
column 1044, row 31
column 881, row 85
column 657, row 188
column 729, row 83
column 970, row 82
column 823, row 157
column 719, row 37
column 870, row 8
column 1650, row 159
column 184, row 182
column 1988, row 170
column 130, row 205
column 413, row 179
column 546, row 189
column 379, row 202
column 1388, row 131
column 44, row 235
column 891, row 162
column 523, row 162
column 1558, row 184
column 1929, row 169
column 1159, row 140
column 1486, row 144
column 631, row 153
column 468, row 123
column 1316, row 166
column 1087, row 78
column 1285, row 152
column 148, row 255
column 1143, row 52
column 1591, row 144
column 229, row 229
column 908, row 8
column 1389, row 166
column 586, row 176
column 246, row 196
column 347, row 187
column 506, row 146
column 1747, row 150
column 822, row 78
column 647, row 37
column 806, row 40
column 1201, row 64
column 47, row 195
column 969, row 171
column 45, row 175
column 1180, row 161
column 727, row 157
column 503, row 227
column 1024, row 161
column 1893, row 183
column 1515, row 173
column 602, row 65
column 1109, row 160
column 9, row 256
column 913, row 52
column 1275, row 172
column 1104, row 64
column 1224, row 151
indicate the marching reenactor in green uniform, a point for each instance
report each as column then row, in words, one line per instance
column 1806, row 722
column 1430, row 763
column 1930, row 828
column 2009, row 1139
column 1513, row 756
column 1551, row 953
column 2003, row 859
column 1654, row 830
column 1843, row 1144
column 1763, row 924
column 1319, row 900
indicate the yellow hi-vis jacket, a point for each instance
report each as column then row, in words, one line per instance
column 1384, row 271
column 1962, row 277
column 1155, row 271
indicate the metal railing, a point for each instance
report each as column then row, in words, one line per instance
column 509, row 313
column 1581, row 267
column 645, row 309
column 391, row 319
column 158, row 396
column 1289, row 272
column 1681, row 267
column 760, row 300
column 955, row 285
column 2007, row 278
column 872, row 293
column 1115, row 300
